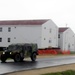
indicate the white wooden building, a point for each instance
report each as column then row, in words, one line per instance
column 43, row 32
column 66, row 39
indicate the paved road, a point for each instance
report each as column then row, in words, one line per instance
column 10, row 66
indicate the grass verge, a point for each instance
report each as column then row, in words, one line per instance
column 68, row 72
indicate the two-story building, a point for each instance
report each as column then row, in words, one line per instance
column 43, row 32
column 66, row 39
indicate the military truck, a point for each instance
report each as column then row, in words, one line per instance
column 19, row 51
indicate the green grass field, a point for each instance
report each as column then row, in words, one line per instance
column 68, row 72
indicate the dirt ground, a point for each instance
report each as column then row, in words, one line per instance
column 45, row 70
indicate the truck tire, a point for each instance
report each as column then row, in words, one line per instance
column 21, row 60
column 33, row 56
column 3, row 58
column 17, row 58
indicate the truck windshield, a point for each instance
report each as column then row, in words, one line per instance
column 3, row 48
column 14, row 47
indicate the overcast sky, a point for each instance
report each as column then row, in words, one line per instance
column 62, row 12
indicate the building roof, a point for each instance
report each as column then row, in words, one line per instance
column 62, row 29
column 23, row 22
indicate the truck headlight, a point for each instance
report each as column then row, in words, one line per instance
column 10, row 53
column 3, row 52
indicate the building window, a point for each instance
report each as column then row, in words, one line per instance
column 14, row 37
column 50, row 30
column 0, row 29
column 14, row 27
column 58, row 46
column 44, row 38
column 44, row 27
column 73, row 35
column 58, row 35
column 0, row 39
column 49, row 41
column 8, row 39
column 9, row 29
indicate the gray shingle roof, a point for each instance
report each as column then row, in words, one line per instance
column 23, row 22
column 62, row 29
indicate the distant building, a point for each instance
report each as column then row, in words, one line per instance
column 42, row 32
column 66, row 39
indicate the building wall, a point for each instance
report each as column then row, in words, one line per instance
column 68, row 40
column 49, row 34
column 21, row 34
column 29, row 34
column 4, row 34
column 60, row 40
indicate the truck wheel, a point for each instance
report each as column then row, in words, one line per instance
column 3, row 58
column 33, row 56
column 21, row 60
column 17, row 58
